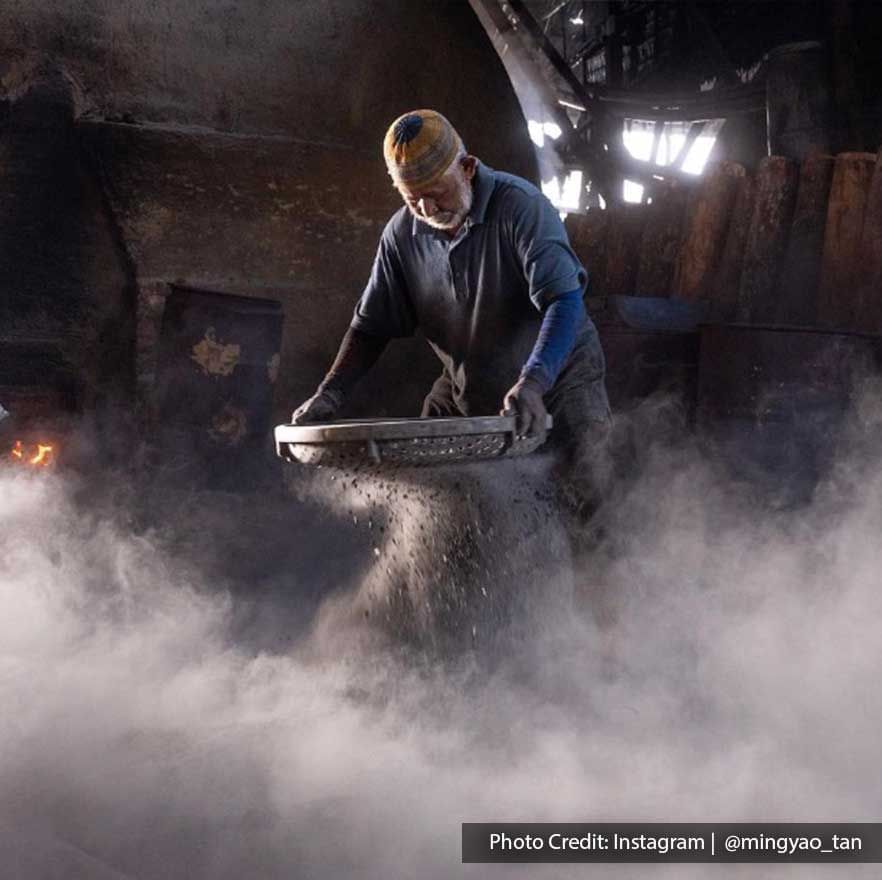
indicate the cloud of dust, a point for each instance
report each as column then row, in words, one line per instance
column 724, row 667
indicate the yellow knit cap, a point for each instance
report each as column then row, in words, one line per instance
column 419, row 147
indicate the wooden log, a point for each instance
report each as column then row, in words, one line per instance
column 626, row 222
column 840, row 277
column 662, row 239
column 774, row 200
column 869, row 317
column 801, row 269
column 587, row 234
column 724, row 300
column 708, row 218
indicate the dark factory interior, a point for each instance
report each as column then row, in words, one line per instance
column 421, row 413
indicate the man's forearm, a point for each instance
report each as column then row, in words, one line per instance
column 358, row 352
column 557, row 335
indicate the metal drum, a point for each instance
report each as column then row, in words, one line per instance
column 772, row 399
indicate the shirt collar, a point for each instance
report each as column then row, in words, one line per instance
column 485, row 183
column 482, row 188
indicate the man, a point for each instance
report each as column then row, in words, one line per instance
column 480, row 261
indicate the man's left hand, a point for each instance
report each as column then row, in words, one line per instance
column 524, row 400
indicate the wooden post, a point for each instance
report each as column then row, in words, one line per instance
column 869, row 317
column 727, row 284
column 587, row 234
column 624, row 232
column 662, row 239
column 708, row 218
column 840, row 277
column 775, row 197
column 802, row 260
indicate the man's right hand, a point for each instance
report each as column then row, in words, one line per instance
column 321, row 407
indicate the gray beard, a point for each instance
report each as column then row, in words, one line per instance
column 448, row 220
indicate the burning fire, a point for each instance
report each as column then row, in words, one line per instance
column 43, row 455
column 34, row 454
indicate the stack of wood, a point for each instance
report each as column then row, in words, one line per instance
column 792, row 244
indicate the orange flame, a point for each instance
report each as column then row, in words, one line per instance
column 42, row 456
column 36, row 455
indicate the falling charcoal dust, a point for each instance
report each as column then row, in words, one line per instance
column 717, row 661
column 455, row 550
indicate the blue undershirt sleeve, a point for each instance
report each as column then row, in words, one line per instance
column 557, row 335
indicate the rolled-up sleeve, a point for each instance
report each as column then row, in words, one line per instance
column 550, row 265
column 384, row 308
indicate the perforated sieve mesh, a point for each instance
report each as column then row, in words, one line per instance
column 320, row 446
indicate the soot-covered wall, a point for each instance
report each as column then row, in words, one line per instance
column 237, row 144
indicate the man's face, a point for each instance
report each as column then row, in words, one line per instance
column 446, row 203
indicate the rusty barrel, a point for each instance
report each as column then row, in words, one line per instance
column 772, row 399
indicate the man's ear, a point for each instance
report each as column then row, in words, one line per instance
column 469, row 165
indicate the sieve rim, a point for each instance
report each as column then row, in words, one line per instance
column 349, row 430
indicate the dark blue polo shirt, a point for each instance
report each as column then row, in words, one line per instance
column 476, row 297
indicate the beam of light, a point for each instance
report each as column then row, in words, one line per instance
column 537, row 132
column 672, row 138
column 565, row 196
column 699, row 152
column 638, row 137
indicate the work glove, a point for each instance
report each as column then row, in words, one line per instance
column 321, row 407
column 524, row 400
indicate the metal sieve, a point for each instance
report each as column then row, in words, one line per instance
column 405, row 442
